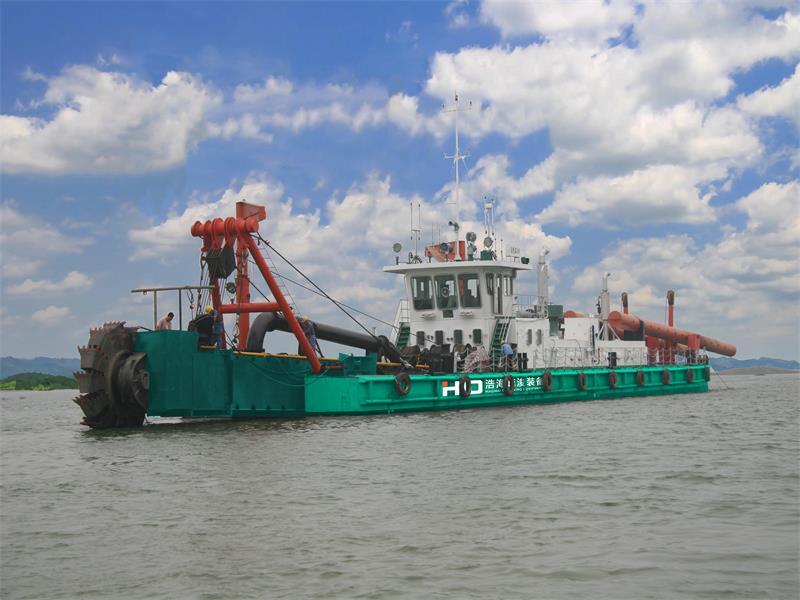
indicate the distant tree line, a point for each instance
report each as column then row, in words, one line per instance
column 38, row 382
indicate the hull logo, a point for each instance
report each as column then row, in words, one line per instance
column 476, row 386
column 491, row 386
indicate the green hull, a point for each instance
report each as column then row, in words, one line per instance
column 185, row 381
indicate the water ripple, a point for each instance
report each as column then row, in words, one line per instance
column 690, row 496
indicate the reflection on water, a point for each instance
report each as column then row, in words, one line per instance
column 678, row 497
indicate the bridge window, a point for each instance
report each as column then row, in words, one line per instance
column 490, row 284
column 477, row 336
column 469, row 287
column 446, row 291
column 458, row 337
column 422, row 293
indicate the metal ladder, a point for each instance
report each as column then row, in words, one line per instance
column 402, row 324
column 499, row 336
column 279, row 279
column 403, row 334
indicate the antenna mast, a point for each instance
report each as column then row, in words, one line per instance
column 456, row 157
column 416, row 232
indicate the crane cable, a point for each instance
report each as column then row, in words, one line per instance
column 304, row 276
column 313, row 291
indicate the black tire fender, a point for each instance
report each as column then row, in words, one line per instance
column 665, row 377
column 402, row 383
column 640, row 378
column 464, row 386
column 508, row 385
column 547, row 380
column 581, row 381
column 612, row 380
column 689, row 375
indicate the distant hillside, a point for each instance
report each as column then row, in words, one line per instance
column 759, row 371
column 38, row 381
column 41, row 364
column 723, row 363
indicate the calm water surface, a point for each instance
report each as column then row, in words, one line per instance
column 690, row 496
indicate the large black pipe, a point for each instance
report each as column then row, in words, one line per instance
column 266, row 322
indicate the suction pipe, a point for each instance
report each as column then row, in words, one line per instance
column 622, row 322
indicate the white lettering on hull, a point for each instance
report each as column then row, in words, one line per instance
column 492, row 385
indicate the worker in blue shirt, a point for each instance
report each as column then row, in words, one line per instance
column 508, row 354
column 219, row 330
column 311, row 335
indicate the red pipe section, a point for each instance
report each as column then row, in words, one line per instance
column 287, row 311
column 244, row 211
column 670, row 323
column 622, row 322
column 246, row 308
column 571, row 314
column 671, row 308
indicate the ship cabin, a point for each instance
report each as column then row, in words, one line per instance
column 456, row 303
column 462, row 305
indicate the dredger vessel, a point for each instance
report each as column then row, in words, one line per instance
column 447, row 352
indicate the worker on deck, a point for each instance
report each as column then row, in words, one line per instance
column 311, row 335
column 165, row 323
column 508, row 356
column 219, row 330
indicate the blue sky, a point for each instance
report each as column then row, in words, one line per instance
column 658, row 141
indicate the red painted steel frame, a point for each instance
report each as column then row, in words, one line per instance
column 237, row 230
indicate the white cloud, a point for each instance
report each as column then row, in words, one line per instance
column 272, row 86
column 781, row 100
column 72, row 281
column 19, row 256
column 699, row 45
column 245, row 126
column 105, row 60
column 595, row 19
column 108, row 122
column 6, row 320
column 12, row 267
column 531, row 239
column 457, row 14
column 622, row 114
column 174, row 232
column 766, row 254
column 405, row 35
column 595, row 104
column 282, row 104
column 489, row 178
column 661, row 194
column 51, row 315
